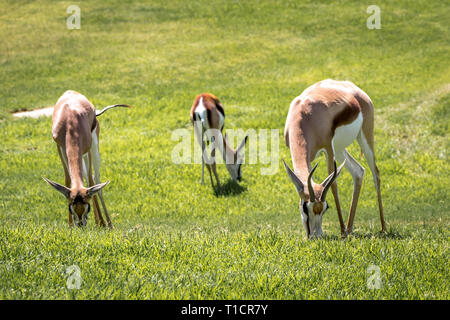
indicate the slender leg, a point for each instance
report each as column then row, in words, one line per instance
column 370, row 157
column 66, row 175
column 357, row 172
column 334, row 190
column 213, row 165
column 210, row 176
column 199, row 134
column 108, row 219
column 97, row 212
column 96, row 162
column 203, row 162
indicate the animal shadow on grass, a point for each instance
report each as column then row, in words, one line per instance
column 391, row 234
column 230, row 188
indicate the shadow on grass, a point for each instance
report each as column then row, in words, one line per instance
column 230, row 188
column 391, row 234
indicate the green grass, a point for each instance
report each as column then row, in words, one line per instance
column 173, row 237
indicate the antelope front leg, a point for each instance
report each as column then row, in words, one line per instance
column 90, row 181
column 202, row 181
column 95, row 154
column 380, row 203
column 334, row 190
column 64, row 163
column 357, row 172
column 206, row 161
column 370, row 157
column 210, row 175
column 97, row 213
column 108, row 219
column 213, row 165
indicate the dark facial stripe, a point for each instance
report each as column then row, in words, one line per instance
column 305, row 210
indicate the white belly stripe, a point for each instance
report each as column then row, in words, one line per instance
column 345, row 135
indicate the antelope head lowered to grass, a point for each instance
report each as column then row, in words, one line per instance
column 208, row 118
column 76, row 133
column 328, row 116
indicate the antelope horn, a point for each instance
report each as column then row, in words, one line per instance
column 330, row 179
column 312, row 197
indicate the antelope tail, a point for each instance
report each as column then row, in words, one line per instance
column 98, row 113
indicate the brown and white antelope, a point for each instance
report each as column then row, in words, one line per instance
column 76, row 133
column 327, row 117
column 208, row 118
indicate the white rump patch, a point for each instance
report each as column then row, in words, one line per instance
column 202, row 113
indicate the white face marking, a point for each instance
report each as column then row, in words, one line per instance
column 314, row 221
column 345, row 135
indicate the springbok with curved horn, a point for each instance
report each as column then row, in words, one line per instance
column 327, row 117
column 76, row 132
column 208, row 118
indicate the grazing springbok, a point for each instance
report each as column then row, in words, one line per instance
column 328, row 116
column 208, row 117
column 76, row 133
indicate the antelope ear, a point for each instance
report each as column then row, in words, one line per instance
column 63, row 189
column 242, row 144
column 94, row 189
column 295, row 180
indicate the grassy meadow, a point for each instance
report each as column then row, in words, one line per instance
column 175, row 238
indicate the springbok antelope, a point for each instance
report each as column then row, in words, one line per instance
column 76, row 133
column 327, row 117
column 208, row 117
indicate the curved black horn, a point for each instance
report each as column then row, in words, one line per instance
column 312, row 197
column 330, row 179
